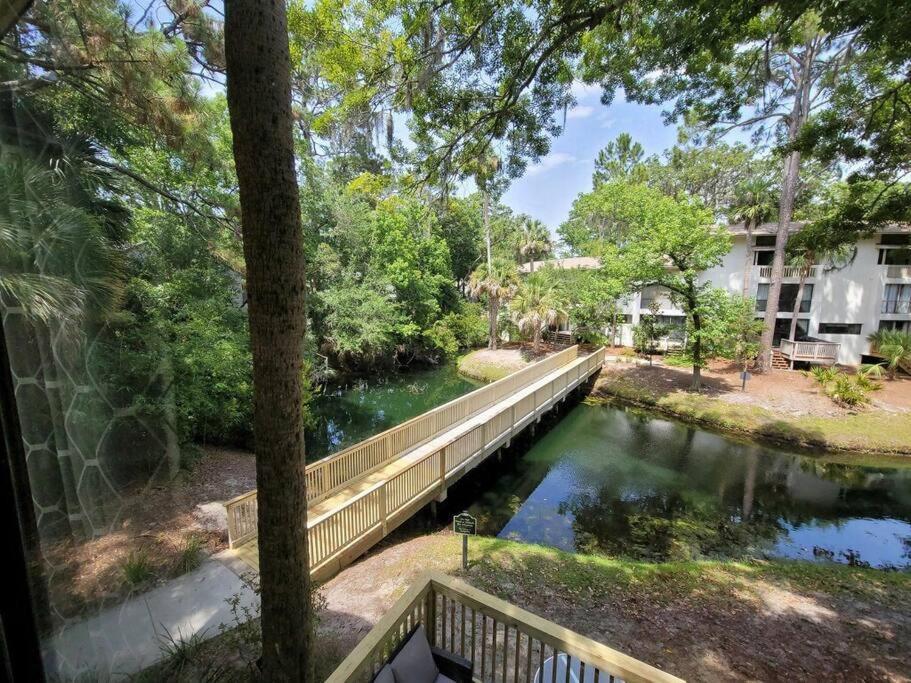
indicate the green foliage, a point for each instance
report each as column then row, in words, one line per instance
column 537, row 305
column 137, row 568
column 647, row 333
column 823, row 374
column 621, row 159
column 847, row 391
column 729, row 327
column 456, row 330
column 191, row 555
column 362, row 325
column 895, row 347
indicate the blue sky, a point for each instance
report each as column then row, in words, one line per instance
column 547, row 190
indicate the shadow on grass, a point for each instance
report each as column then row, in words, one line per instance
column 782, row 620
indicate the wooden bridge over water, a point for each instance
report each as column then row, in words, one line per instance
column 359, row 495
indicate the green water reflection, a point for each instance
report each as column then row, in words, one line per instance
column 345, row 415
column 609, row 481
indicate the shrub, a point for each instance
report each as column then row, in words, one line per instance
column 846, row 391
column 137, row 568
column 823, row 375
column 894, row 346
column 678, row 360
column 190, row 556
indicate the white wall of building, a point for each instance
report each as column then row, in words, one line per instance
column 849, row 295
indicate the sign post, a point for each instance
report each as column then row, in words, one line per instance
column 466, row 525
column 745, row 376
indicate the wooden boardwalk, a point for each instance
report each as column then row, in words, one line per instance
column 361, row 497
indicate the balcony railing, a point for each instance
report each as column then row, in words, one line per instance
column 503, row 642
column 896, row 307
column 898, row 272
column 811, row 350
column 790, row 271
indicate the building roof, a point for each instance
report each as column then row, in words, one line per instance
column 569, row 263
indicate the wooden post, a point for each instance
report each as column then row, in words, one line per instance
column 382, row 503
column 442, row 495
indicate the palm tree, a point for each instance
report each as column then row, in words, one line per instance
column 895, row 347
column 536, row 306
column 755, row 203
column 533, row 241
column 499, row 282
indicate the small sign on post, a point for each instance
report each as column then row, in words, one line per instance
column 466, row 525
column 745, row 376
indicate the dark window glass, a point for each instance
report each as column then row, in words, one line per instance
column 763, row 258
column 840, row 328
column 893, row 239
column 765, row 240
column 895, row 257
column 786, row 298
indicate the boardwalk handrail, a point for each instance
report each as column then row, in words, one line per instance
column 501, row 641
column 334, row 472
column 387, row 503
column 809, row 350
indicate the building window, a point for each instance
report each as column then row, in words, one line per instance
column 786, row 299
column 765, row 240
column 897, row 299
column 895, row 240
column 899, row 325
column 895, row 257
column 840, row 328
column 763, row 257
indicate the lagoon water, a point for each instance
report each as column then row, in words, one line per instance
column 626, row 483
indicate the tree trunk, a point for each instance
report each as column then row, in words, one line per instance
column 748, row 266
column 785, row 213
column 798, row 118
column 697, row 342
column 259, row 103
column 486, row 213
column 493, row 312
column 536, row 341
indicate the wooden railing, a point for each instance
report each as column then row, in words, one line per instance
column 812, row 351
column 347, row 530
column 332, row 473
column 502, row 641
column 789, row 271
column 898, row 272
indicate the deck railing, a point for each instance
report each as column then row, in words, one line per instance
column 898, row 272
column 503, row 642
column 812, row 351
column 364, row 519
column 789, row 271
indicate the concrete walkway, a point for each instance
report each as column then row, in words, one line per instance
column 127, row 638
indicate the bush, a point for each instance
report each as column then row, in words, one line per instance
column 846, row 391
column 137, row 568
column 465, row 328
column 823, row 375
column 678, row 360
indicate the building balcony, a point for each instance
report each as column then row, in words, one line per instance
column 810, row 351
column 793, row 272
column 898, row 272
column 901, row 307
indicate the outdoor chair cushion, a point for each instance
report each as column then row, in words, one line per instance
column 414, row 662
column 443, row 679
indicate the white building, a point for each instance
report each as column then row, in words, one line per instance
column 841, row 305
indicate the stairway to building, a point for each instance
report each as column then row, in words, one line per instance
column 779, row 362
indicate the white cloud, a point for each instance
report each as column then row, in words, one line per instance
column 581, row 111
column 582, row 90
column 550, row 162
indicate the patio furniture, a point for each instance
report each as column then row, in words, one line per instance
column 415, row 661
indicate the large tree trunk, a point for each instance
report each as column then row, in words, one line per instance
column 493, row 312
column 259, row 102
column 785, row 213
column 748, row 265
column 697, row 353
column 486, row 212
column 798, row 118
